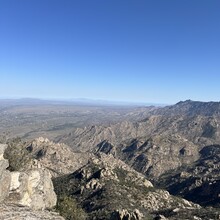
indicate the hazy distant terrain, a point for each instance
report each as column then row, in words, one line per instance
column 30, row 118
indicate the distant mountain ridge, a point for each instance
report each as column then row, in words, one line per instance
column 191, row 108
column 76, row 101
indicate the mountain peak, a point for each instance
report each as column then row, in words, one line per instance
column 185, row 102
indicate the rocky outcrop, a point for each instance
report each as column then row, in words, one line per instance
column 58, row 158
column 160, row 199
column 5, row 177
column 31, row 189
column 124, row 214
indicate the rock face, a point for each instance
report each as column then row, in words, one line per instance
column 58, row 158
column 5, row 177
column 32, row 188
column 199, row 182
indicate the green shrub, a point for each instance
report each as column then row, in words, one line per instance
column 17, row 155
column 68, row 208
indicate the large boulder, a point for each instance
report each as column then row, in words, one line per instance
column 26, row 195
column 5, row 176
column 32, row 188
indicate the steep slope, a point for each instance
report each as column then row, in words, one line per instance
column 107, row 188
column 199, row 182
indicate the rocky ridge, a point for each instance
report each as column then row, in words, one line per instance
column 58, row 158
column 190, row 108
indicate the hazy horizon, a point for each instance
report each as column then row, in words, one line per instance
column 84, row 101
column 138, row 51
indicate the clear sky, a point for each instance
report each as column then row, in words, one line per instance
column 159, row 51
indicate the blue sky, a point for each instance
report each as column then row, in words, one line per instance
column 159, row 51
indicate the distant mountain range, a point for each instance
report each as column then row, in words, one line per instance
column 75, row 101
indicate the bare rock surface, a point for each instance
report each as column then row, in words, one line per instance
column 15, row 212
column 5, row 176
column 58, row 158
column 25, row 195
column 33, row 188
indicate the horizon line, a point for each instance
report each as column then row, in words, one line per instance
column 88, row 101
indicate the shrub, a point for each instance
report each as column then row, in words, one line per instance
column 68, row 208
column 16, row 154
